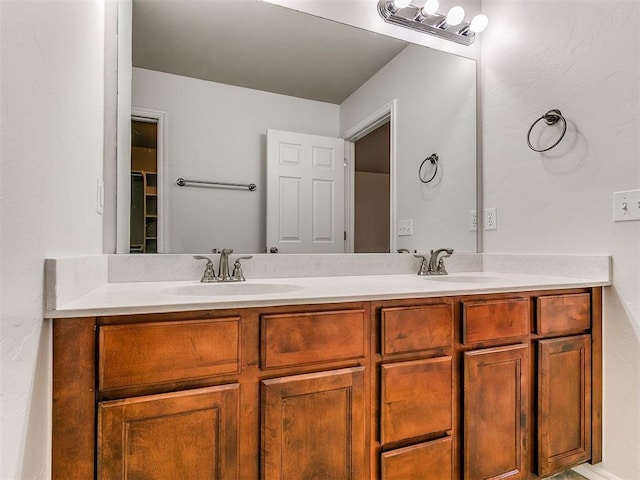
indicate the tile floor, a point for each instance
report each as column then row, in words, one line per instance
column 568, row 475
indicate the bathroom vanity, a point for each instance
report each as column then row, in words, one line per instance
column 457, row 381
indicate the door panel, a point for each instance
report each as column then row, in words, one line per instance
column 305, row 193
column 191, row 434
column 313, row 426
column 495, row 412
column 564, row 403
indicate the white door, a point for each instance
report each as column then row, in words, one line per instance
column 305, row 193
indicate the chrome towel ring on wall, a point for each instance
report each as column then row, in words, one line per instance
column 433, row 158
column 550, row 118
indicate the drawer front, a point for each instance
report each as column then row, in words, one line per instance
column 415, row 399
column 559, row 313
column 495, row 319
column 414, row 329
column 305, row 338
column 165, row 352
column 432, row 460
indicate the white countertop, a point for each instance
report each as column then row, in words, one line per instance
column 176, row 296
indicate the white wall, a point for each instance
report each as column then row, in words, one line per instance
column 436, row 113
column 52, row 145
column 583, row 57
column 217, row 132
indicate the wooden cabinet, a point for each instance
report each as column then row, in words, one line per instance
column 313, row 426
column 495, row 412
column 564, row 403
column 475, row 387
column 191, row 434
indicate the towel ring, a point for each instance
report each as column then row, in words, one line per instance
column 550, row 118
column 433, row 158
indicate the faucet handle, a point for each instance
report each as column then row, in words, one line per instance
column 209, row 274
column 237, row 274
column 424, row 265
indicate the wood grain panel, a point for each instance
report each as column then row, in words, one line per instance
column 429, row 460
column 495, row 413
column 564, row 403
column 305, row 338
column 74, row 398
column 485, row 320
column 415, row 329
column 558, row 313
column 416, row 399
column 313, row 426
column 191, row 434
column 163, row 352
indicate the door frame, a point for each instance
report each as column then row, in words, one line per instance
column 385, row 113
column 162, row 120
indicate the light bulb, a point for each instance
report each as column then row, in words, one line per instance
column 455, row 15
column 430, row 7
column 479, row 23
column 401, row 3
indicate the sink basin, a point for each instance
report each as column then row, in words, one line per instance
column 466, row 278
column 239, row 288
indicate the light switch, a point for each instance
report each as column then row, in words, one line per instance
column 626, row 206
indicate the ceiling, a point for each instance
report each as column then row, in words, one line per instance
column 255, row 44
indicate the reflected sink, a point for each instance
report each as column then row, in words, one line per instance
column 466, row 278
column 239, row 288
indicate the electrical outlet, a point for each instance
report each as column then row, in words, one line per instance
column 491, row 219
column 473, row 220
column 626, row 206
column 405, row 228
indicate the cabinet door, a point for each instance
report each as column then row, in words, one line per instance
column 313, row 426
column 191, row 434
column 564, row 403
column 495, row 412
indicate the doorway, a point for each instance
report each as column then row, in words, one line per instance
column 143, row 216
column 372, row 189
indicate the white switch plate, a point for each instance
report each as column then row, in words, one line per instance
column 490, row 218
column 100, row 196
column 626, row 206
column 405, row 228
column 473, row 220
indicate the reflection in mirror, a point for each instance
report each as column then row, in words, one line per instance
column 217, row 80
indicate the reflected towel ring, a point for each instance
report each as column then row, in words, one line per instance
column 550, row 118
column 433, row 158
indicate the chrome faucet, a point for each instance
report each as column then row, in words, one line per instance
column 435, row 264
column 223, row 265
column 210, row 276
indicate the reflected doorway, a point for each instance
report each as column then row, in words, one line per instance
column 372, row 184
column 143, row 229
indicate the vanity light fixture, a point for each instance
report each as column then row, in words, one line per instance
column 426, row 19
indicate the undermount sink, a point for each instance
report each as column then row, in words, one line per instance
column 239, row 288
column 466, row 278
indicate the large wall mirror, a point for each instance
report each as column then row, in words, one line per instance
column 231, row 92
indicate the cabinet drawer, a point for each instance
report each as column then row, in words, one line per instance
column 558, row 313
column 415, row 399
column 413, row 329
column 166, row 352
column 430, row 460
column 304, row 338
column 495, row 319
